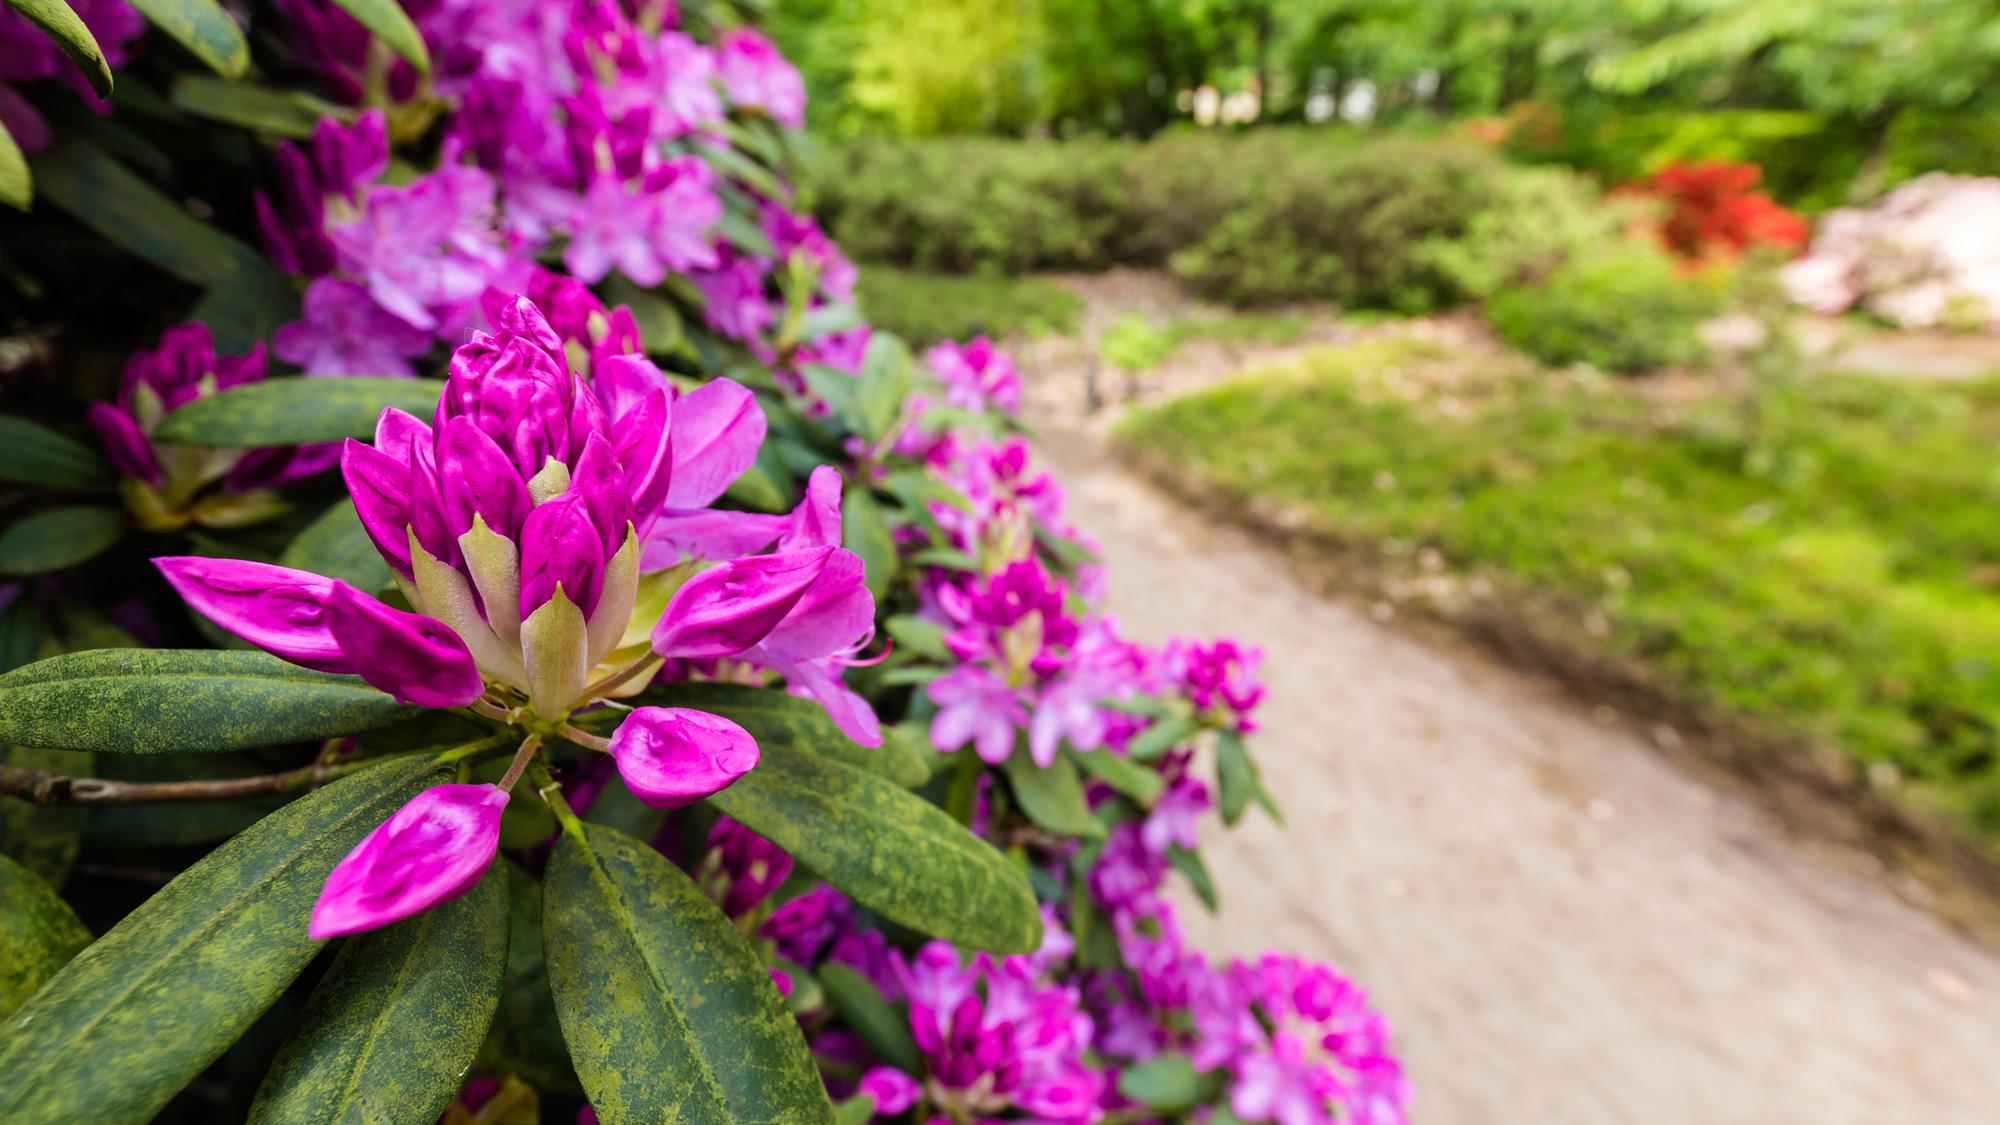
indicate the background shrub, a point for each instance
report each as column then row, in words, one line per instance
column 1625, row 309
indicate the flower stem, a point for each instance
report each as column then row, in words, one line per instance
column 522, row 756
column 622, row 676
column 551, row 793
column 584, row 738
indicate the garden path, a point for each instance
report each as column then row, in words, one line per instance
column 1564, row 926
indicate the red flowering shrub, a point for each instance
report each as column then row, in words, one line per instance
column 1714, row 210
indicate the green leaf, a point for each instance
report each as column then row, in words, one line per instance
column 1190, row 864
column 886, row 374
column 31, row 453
column 865, row 531
column 295, row 411
column 17, row 184
column 883, row 1026
column 204, row 29
column 246, row 307
column 39, row 933
column 827, row 320
column 1236, row 776
column 1163, row 736
column 1134, row 779
column 57, row 538
column 774, row 717
column 43, row 838
column 150, row 701
column 526, row 1036
column 64, row 26
column 890, row 850
column 127, row 211
column 386, row 19
column 669, row 1014
column 337, row 546
column 1168, row 1083
column 914, row 636
column 391, row 1029
column 757, row 489
column 857, row 1110
column 276, row 113
column 1052, row 796
column 114, row 1035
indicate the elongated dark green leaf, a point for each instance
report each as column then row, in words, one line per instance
column 129, row 212
column 883, row 1026
column 1052, row 796
column 1236, row 776
column 526, row 1037
column 39, row 933
column 386, row 19
column 1190, row 864
column 276, row 113
column 149, row 701
column 889, row 849
column 63, row 25
column 17, row 184
column 114, row 1035
column 1136, row 780
column 337, row 546
column 865, row 531
column 244, row 308
column 57, row 538
column 31, row 453
column 885, row 379
column 1162, row 737
column 291, row 411
column 204, row 29
column 391, row 1029
column 669, row 1014
column 775, row 717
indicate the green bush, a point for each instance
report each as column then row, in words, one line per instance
column 925, row 308
column 1274, row 215
column 1627, row 309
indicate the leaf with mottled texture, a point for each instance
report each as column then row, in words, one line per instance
column 60, row 23
column 890, row 850
column 57, row 538
column 150, row 701
column 39, row 933
column 292, row 411
column 390, row 1031
column 774, row 717
column 526, row 1036
column 31, row 453
column 114, row 1035
column 669, row 1014
column 43, row 838
column 337, row 546
column 204, row 29
column 1051, row 795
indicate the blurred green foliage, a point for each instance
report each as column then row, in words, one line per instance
column 1401, row 223
column 1628, row 308
column 1828, row 573
column 924, row 308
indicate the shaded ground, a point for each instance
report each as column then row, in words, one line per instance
column 1564, row 924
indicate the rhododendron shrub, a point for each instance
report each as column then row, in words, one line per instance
column 557, row 657
column 1715, row 212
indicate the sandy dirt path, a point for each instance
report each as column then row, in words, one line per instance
column 1565, row 927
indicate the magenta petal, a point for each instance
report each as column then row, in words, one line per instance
column 709, row 533
column 280, row 610
column 561, row 547
column 674, row 756
column 835, row 615
column 727, row 609
column 645, row 453
column 427, row 853
column 396, row 429
column 415, row 658
column 475, row 477
column 717, row 430
column 598, row 480
column 380, row 486
column 816, row 521
column 128, row 447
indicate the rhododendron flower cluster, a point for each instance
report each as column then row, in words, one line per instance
column 1926, row 255
column 168, row 486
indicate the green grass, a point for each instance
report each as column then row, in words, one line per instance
column 924, row 308
column 1138, row 345
column 1828, row 572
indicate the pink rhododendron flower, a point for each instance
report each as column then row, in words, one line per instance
column 976, row 375
column 673, row 756
column 344, row 332
column 428, row 852
column 756, row 76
